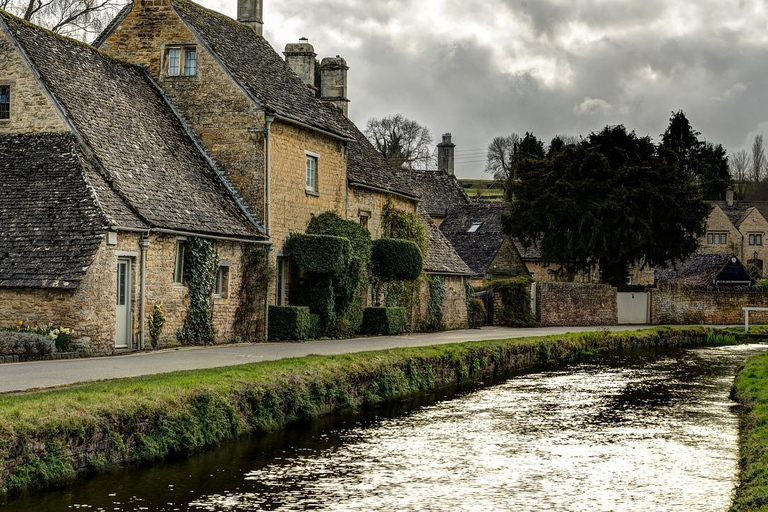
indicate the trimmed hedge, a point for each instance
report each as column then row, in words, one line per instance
column 383, row 321
column 329, row 223
column 320, row 254
column 396, row 260
column 289, row 323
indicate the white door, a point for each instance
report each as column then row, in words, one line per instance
column 124, row 330
column 634, row 307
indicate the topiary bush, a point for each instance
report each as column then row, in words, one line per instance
column 378, row 321
column 320, row 254
column 393, row 259
column 289, row 323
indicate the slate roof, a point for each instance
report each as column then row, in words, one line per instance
column 737, row 213
column 478, row 248
column 259, row 69
column 151, row 169
column 441, row 257
column 366, row 166
column 702, row 270
column 50, row 222
column 439, row 191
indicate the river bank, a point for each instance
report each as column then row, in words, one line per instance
column 750, row 389
column 51, row 436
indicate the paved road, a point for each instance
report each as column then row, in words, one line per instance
column 44, row 374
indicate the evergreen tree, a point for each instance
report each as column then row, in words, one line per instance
column 609, row 200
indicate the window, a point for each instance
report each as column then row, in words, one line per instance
column 311, row 173
column 717, row 238
column 5, row 102
column 181, row 61
column 756, row 239
column 221, row 285
column 474, row 227
column 178, row 270
column 364, row 222
column 280, row 288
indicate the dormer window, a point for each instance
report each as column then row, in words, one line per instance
column 181, row 60
column 474, row 227
column 5, row 102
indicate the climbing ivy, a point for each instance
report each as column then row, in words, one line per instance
column 200, row 265
column 404, row 225
column 258, row 273
column 435, row 304
column 469, row 291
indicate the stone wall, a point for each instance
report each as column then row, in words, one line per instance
column 364, row 202
column 507, row 262
column 31, row 110
column 454, row 304
column 575, row 304
column 91, row 309
column 707, row 305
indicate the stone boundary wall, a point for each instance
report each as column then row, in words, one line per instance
column 575, row 304
column 707, row 305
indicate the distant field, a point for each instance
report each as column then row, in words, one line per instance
column 484, row 190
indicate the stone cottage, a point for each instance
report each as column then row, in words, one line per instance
column 102, row 185
column 739, row 228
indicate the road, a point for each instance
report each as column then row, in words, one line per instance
column 46, row 374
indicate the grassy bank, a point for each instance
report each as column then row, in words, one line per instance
column 751, row 390
column 50, row 436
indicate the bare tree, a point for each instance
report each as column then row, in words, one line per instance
column 82, row 19
column 758, row 159
column 740, row 165
column 501, row 156
column 403, row 142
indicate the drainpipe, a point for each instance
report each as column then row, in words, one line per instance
column 267, row 214
column 144, row 244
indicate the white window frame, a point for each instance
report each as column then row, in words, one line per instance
column 474, row 227
column 312, row 186
column 280, row 282
column 182, row 70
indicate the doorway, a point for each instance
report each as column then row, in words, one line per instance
column 124, row 328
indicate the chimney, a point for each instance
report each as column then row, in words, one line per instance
column 301, row 58
column 729, row 197
column 251, row 13
column 445, row 155
column 333, row 82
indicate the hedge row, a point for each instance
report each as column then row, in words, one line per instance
column 387, row 321
column 289, row 323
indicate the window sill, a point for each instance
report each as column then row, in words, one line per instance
column 312, row 193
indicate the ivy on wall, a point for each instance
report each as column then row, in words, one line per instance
column 200, row 265
column 404, row 225
column 257, row 274
column 437, row 292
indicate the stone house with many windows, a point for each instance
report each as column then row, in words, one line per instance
column 739, row 228
column 206, row 98
column 102, row 184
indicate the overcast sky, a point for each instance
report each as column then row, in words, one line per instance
column 481, row 68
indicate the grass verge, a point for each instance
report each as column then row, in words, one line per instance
column 750, row 389
column 51, row 436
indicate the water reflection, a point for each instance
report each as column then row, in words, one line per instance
column 650, row 432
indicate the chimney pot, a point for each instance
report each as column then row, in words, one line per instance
column 301, row 58
column 251, row 13
column 333, row 82
column 445, row 150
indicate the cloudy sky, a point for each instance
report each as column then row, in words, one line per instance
column 481, row 68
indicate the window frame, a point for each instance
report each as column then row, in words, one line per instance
column 221, row 281
column 716, row 238
column 313, row 189
column 178, row 265
column 756, row 239
column 474, row 227
column 10, row 94
column 281, row 267
column 183, row 50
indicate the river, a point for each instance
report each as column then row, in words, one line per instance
column 643, row 431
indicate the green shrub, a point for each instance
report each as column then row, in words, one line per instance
column 383, row 321
column 478, row 313
column 200, row 265
column 289, row 323
column 435, row 321
column 28, row 346
column 156, row 323
column 404, row 225
column 515, row 301
column 329, row 223
column 396, row 260
column 320, row 254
